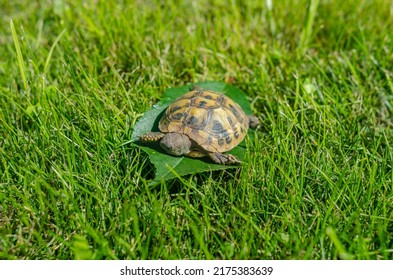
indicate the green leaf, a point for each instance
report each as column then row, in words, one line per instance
column 167, row 166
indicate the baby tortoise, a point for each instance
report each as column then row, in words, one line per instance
column 202, row 123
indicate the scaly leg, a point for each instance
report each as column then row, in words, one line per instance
column 253, row 121
column 226, row 159
column 151, row 137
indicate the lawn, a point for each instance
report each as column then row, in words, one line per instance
column 316, row 182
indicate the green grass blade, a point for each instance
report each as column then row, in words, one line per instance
column 306, row 34
column 19, row 57
column 51, row 50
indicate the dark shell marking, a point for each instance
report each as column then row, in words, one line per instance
column 214, row 121
column 217, row 127
column 202, row 104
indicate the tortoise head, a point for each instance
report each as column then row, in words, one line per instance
column 176, row 144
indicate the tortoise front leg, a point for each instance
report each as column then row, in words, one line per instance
column 226, row 159
column 151, row 137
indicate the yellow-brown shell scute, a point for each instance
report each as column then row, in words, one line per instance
column 214, row 121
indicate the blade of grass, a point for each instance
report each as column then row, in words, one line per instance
column 339, row 246
column 19, row 57
column 270, row 16
column 52, row 48
column 308, row 28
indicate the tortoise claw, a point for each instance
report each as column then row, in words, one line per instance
column 226, row 159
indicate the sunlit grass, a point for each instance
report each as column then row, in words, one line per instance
column 316, row 184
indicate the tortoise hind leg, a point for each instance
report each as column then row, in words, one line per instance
column 253, row 121
column 151, row 137
column 196, row 88
column 226, row 159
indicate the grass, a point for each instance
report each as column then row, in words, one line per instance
column 74, row 79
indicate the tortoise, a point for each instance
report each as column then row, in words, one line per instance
column 202, row 123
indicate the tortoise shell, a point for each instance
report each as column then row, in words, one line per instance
column 214, row 121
